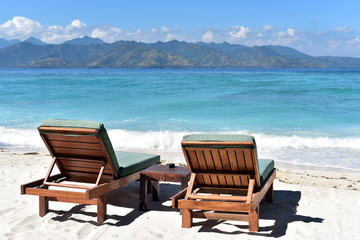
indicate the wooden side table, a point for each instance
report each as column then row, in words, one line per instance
column 150, row 177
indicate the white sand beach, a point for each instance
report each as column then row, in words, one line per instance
column 307, row 205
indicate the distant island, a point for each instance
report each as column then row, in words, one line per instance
column 89, row 52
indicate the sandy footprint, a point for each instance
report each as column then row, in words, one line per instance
column 85, row 231
column 96, row 233
column 7, row 210
column 28, row 219
column 18, row 229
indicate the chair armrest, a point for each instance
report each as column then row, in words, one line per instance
column 175, row 198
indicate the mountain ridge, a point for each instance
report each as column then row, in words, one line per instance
column 90, row 52
column 85, row 41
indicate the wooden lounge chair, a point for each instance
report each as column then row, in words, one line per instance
column 227, row 180
column 89, row 167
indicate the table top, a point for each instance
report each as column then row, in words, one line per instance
column 161, row 168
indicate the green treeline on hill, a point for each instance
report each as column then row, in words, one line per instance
column 93, row 53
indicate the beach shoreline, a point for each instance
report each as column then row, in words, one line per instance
column 308, row 204
column 290, row 173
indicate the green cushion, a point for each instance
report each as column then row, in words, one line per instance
column 265, row 166
column 85, row 124
column 130, row 162
column 218, row 138
column 71, row 123
column 129, row 165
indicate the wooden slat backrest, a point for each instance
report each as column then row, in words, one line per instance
column 79, row 152
column 222, row 164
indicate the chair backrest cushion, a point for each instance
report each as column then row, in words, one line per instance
column 236, row 153
column 62, row 123
column 219, row 138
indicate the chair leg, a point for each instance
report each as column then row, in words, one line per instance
column 254, row 220
column 269, row 196
column 101, row 208
column 43, row 206
column 186, row 218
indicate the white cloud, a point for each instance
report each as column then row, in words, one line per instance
column 291, row 32
column 239, row 32
column 55, row 38
column 137, row 33
column 170, row 37
column 333, row 45
column 99, row 33
column 21, row 23
column 355, row 41
column 106, row 33
column 77, row 24
column 208, row 36
column 288, row 33
column 164, row 29
column 268, row 28
column 340, row 41
column 343, row 29
column 116, row 30
column 23, row 28
column 179, row 37
column 344, row 46
column 55, row 27
column 20, row 27
column 59, row 34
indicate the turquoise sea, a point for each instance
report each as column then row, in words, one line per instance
column 301, row 116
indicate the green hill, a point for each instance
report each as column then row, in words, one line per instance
column 94, row 53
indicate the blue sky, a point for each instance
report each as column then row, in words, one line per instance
column 315, row 27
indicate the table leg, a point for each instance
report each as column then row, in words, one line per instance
column 148, row 182
column 155, row 190
column 143, row 192
column 184, row 183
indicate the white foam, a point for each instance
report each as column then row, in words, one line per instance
column 170, row 140
column 164, row 140
column 20, row 138
column 302, row 142
column 325, row 151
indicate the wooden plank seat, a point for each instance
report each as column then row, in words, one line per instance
column 227, row 180
column 84, row 155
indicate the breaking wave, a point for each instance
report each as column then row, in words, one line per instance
column 307, row 150
column 170, row 140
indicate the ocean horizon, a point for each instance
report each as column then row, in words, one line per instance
column 298, row 116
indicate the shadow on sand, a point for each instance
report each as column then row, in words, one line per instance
column 283, row 211
column 124, row 197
